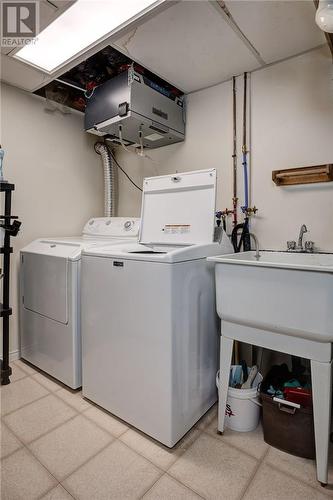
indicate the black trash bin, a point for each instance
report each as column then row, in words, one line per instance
column 287, row 427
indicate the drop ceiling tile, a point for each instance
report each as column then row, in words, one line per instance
column 19, row 74
column 189, row 45
column 6, row 50
column 277, row 29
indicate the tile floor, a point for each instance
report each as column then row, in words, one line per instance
column 57, row 446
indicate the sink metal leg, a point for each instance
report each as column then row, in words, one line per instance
column 322, row 397
column 225, row 362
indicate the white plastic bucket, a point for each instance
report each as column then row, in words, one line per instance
column 243, row 408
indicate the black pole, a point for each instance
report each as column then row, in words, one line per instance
column 10, row 229
column 6, row 372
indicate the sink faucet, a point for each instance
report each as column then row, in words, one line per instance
column 256, row 242
column 308, row 247
column 302, row 231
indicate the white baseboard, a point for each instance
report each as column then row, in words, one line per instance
column 13, row 355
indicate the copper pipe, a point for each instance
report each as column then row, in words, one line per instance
column 234, row 153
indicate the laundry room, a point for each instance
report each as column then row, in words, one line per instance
column 166, row 250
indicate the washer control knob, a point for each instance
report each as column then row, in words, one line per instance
column 108, row 222
column 128, row 225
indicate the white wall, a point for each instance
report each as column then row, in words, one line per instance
column 291, row 125
column 57, row 174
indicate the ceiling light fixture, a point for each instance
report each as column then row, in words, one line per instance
column 324, row 15
column 81, row 26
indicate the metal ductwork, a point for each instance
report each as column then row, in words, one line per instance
column 110, row 201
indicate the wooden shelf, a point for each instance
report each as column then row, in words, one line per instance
column 303, row 175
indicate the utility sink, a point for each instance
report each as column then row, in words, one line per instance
column 289, row 293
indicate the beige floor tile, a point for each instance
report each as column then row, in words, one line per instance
column 250, row 442
column 160, row 455
column 39, row 417
column 210, row 467
column 106, row 420
column 208, row 418
column 17, row 373
column 116, row 473
column 300, row 468
column 168, row 488
column 9, row 443
column 29, row 369
column 48, row 382
column 67, row 447
column 271, row 484
column 20, row 393
column 74, row 399
column 23, row 477
column 57, row 493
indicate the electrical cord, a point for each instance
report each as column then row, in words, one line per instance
column 89, row 94
column 125, row 173
column 121, row 168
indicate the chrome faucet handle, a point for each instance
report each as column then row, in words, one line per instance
column 309, row 246
column 291, row 245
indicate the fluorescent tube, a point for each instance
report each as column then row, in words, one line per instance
column 81, row 26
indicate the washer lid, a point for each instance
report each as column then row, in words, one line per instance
column 55, row 248
column 179, row 209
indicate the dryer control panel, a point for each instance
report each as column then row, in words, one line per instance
column 112, row 227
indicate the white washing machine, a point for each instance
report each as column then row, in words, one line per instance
column 50, row 296
column 149, row 326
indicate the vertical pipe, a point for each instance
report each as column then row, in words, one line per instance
column 244, row 110
column 234, row 153
column 244, row 147
column 248, row 152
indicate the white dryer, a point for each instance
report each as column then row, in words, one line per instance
column 149, row 325
column 50, row 277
